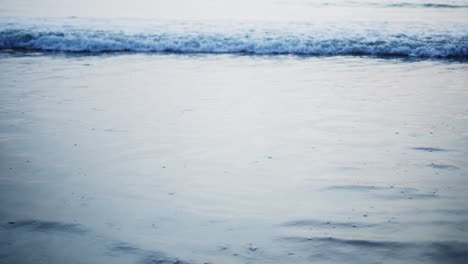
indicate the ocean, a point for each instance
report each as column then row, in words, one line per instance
column 209, row 131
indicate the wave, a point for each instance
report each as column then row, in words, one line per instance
column 423, row 5
column 434, row 5
column 293, row 39
column 394, row 4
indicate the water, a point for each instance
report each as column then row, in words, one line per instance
column 234, row 132
column 253, row 38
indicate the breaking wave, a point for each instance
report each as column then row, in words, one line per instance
column 290, row 39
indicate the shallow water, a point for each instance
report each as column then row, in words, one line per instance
column 233, row 131
column 232, row 159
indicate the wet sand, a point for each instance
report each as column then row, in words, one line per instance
column 232, row 159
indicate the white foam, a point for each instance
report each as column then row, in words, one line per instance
column 81, row 35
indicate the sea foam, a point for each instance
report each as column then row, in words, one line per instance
column 404, row 40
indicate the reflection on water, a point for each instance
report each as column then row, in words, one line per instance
column 232, row 159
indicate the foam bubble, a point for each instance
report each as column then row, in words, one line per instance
column 256, row 39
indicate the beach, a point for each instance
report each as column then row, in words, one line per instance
column 125, row 143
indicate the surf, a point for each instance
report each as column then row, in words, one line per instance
column 419, row 41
